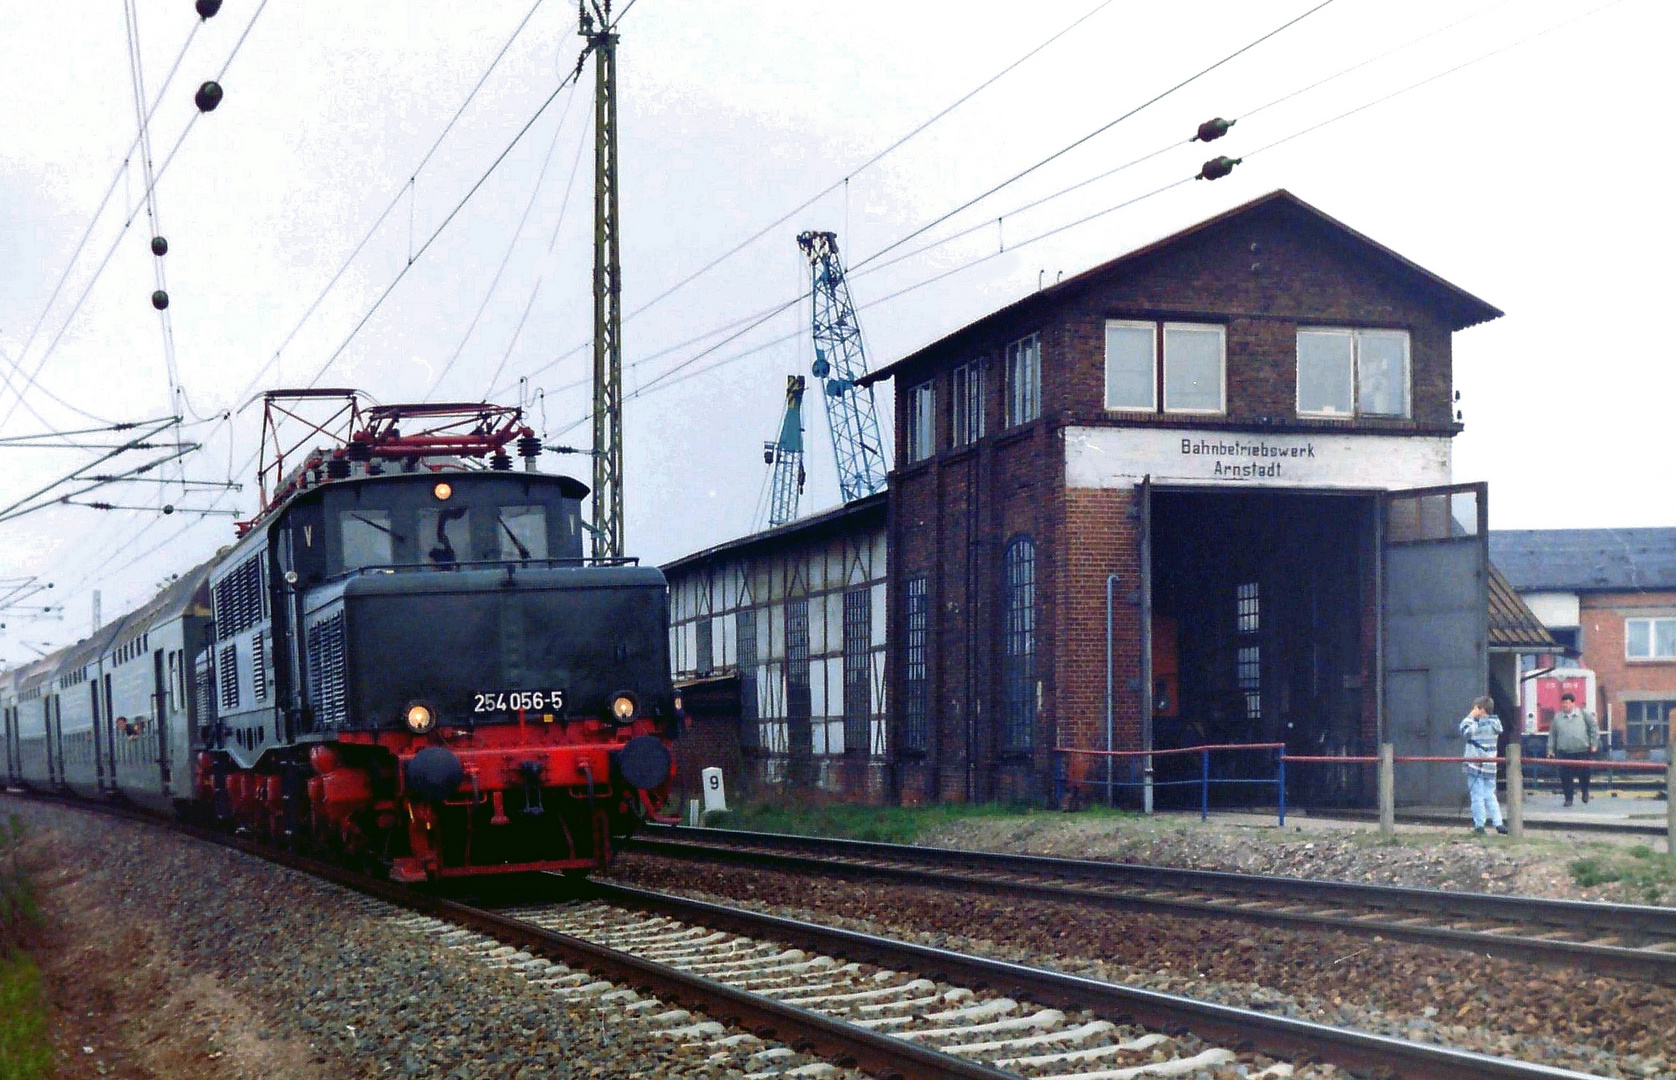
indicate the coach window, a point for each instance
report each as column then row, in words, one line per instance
column 444, row 535
column 1194, row 363
column 366, row 538
column 522, row 532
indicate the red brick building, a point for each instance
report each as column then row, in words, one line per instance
column 1239, row 434
column 1609, row 595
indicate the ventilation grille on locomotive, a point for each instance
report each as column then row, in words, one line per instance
column 258, row 667
column 228, row 673
column 326, row 669
column 239, row 603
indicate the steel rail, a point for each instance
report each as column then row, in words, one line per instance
column 848, row 1045
column 1489, row 923
column 1276, row 1036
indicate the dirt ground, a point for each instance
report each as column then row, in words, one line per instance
column 120, row 1008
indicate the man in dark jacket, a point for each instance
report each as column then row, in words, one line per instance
column 1572, row 736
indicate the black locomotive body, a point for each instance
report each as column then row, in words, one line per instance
column 406, row 660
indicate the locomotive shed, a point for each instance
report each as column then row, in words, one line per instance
column 639, row 962
column 1200, row 494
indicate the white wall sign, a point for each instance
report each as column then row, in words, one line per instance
column 1109, row 457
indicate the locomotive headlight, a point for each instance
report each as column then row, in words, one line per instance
column 419, row 718
column 623, row 708
column 443, row 491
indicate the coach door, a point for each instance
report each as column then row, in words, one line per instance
column 108, row 720
column 53, row 713
column 160, row 728
column 14, row 752
column 1435, row 627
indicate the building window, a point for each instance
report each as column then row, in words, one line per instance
column 966, row 404
column 858, row 687
column 1195, row 357
column 1353, row 373
column 705, row 662
column 922, row 421
column 1131, row 365
column 1650, row 639
column 1248, row 655
column 799, row 706
column 745, row 623
column 1248, row 608
column 1647, row 723
column 915, row 733
column 1018, row 690
column 1024, row 380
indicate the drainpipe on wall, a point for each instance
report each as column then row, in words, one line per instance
column 1111, row 586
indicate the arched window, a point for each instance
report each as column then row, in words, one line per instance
column 1018, row 658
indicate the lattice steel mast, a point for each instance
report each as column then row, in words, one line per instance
column 785, row 457
column 851, row 412
column 608, row 290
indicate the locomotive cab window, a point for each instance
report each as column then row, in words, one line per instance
column 444, row 536
column 521, row 532
column 366, row 537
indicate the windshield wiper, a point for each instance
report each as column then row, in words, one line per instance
column 523, row 552
column 385, row 529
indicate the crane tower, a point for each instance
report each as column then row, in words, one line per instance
column 785, row 457
column 839, row 362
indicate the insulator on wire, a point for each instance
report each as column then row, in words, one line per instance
column 1211, row 130
column 159, row 246
column 207, row 8
column 208, row 96
column 1218, row 167
column 168, row 508
column 159, row 299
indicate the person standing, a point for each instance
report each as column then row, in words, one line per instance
column 1480, row 727
column 1572, row 736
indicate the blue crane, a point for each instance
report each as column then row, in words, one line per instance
column 840, row 362
column 785, row 456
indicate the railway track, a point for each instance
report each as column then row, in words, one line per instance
column 851, row 1000
column 1627, row 940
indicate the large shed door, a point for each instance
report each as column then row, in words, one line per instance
column 1435, row 556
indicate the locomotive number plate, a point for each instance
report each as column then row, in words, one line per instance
column 513, row 700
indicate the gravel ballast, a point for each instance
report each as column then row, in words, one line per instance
column 274, row 973
column 1607, row 1026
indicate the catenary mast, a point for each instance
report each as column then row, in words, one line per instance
column 608, row 291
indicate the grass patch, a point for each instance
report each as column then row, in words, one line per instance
column 884, row 824
column 1641, row 873
column 26, row 1052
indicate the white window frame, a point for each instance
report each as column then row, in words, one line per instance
column 966, row 404
column 922, row 421
column 1163, row 363
column 1356, row 410
column 1653, row 655
column 1022, row 409
column 1151, row 326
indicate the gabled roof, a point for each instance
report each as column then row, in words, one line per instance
column 1586, row 560
column 1468, row 310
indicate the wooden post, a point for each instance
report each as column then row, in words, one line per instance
column 1387, row 790
column 1515, row 790
column 1670, row 808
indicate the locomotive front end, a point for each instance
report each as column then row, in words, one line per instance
column 516, row 717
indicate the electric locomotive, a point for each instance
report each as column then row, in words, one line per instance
column 405, row 661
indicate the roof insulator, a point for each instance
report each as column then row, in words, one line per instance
column 1211, row 130
column 529, row 446
column 337, row 468
column 208, row 96
column 159, row 246
column 207, row 8
column 1218, row 167
column 159, row 299
column 359, row 451
column 501, row 461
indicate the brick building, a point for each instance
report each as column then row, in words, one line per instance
column 777, row 640
column 1609, row 596
column 1232, row 448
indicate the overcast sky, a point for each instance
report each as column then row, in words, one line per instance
column 1535, row 179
